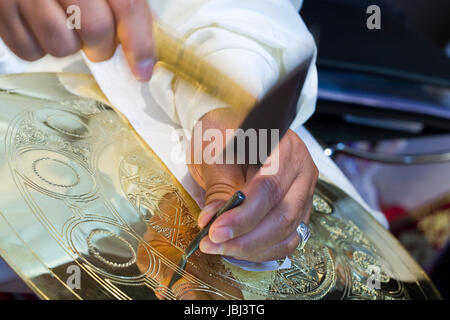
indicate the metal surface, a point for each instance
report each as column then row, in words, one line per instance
column 81, row 191
column 388, row 158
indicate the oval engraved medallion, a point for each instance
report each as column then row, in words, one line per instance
column 68, row 125
column 56, row 175
column 56, row 172
column 111, row 250
column 64, row 123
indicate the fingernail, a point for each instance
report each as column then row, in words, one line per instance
column 209, row 247
column 144, row 69
column 220, row 235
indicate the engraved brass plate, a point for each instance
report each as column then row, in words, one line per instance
column 81, row 191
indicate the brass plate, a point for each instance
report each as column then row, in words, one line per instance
column 81, row 191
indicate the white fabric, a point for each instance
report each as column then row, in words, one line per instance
column 254, row 41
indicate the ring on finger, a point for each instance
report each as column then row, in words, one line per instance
column 303, row 233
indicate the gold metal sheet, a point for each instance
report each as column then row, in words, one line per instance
column 80, row 190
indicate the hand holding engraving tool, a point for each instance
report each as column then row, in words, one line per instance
column 279, row 192
column 236, row 200
column 278, row 202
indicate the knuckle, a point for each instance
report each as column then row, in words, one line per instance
column 303, row 201
column 5, row 8
column 129, row 5
column 63, row 51
column 3, row 11
column 295, row 139
column 295, row 143
column 60, row 41
column 299, row 151
column 272, row 188
column 288, row 221
column 292, row 245
column 97, row 29
column 243, row 248
column 29, row 54
column 27, row 51
column 240, row 223
column 307, row 217
column 315, row 173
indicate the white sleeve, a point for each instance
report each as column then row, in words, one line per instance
column 255, row 42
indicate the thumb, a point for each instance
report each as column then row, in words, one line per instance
column 221, row 182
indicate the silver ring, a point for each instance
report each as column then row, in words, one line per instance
column 303, row 233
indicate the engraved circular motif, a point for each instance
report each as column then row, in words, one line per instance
column 111, row 240
column 65, row 123
column 69, row 125
column 62, row 174
column 111, row 250
column 311, row 275
column 55, row 174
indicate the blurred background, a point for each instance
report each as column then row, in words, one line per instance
column 384, row 104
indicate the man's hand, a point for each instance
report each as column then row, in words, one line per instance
column 263, row 228
column 33, row 28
